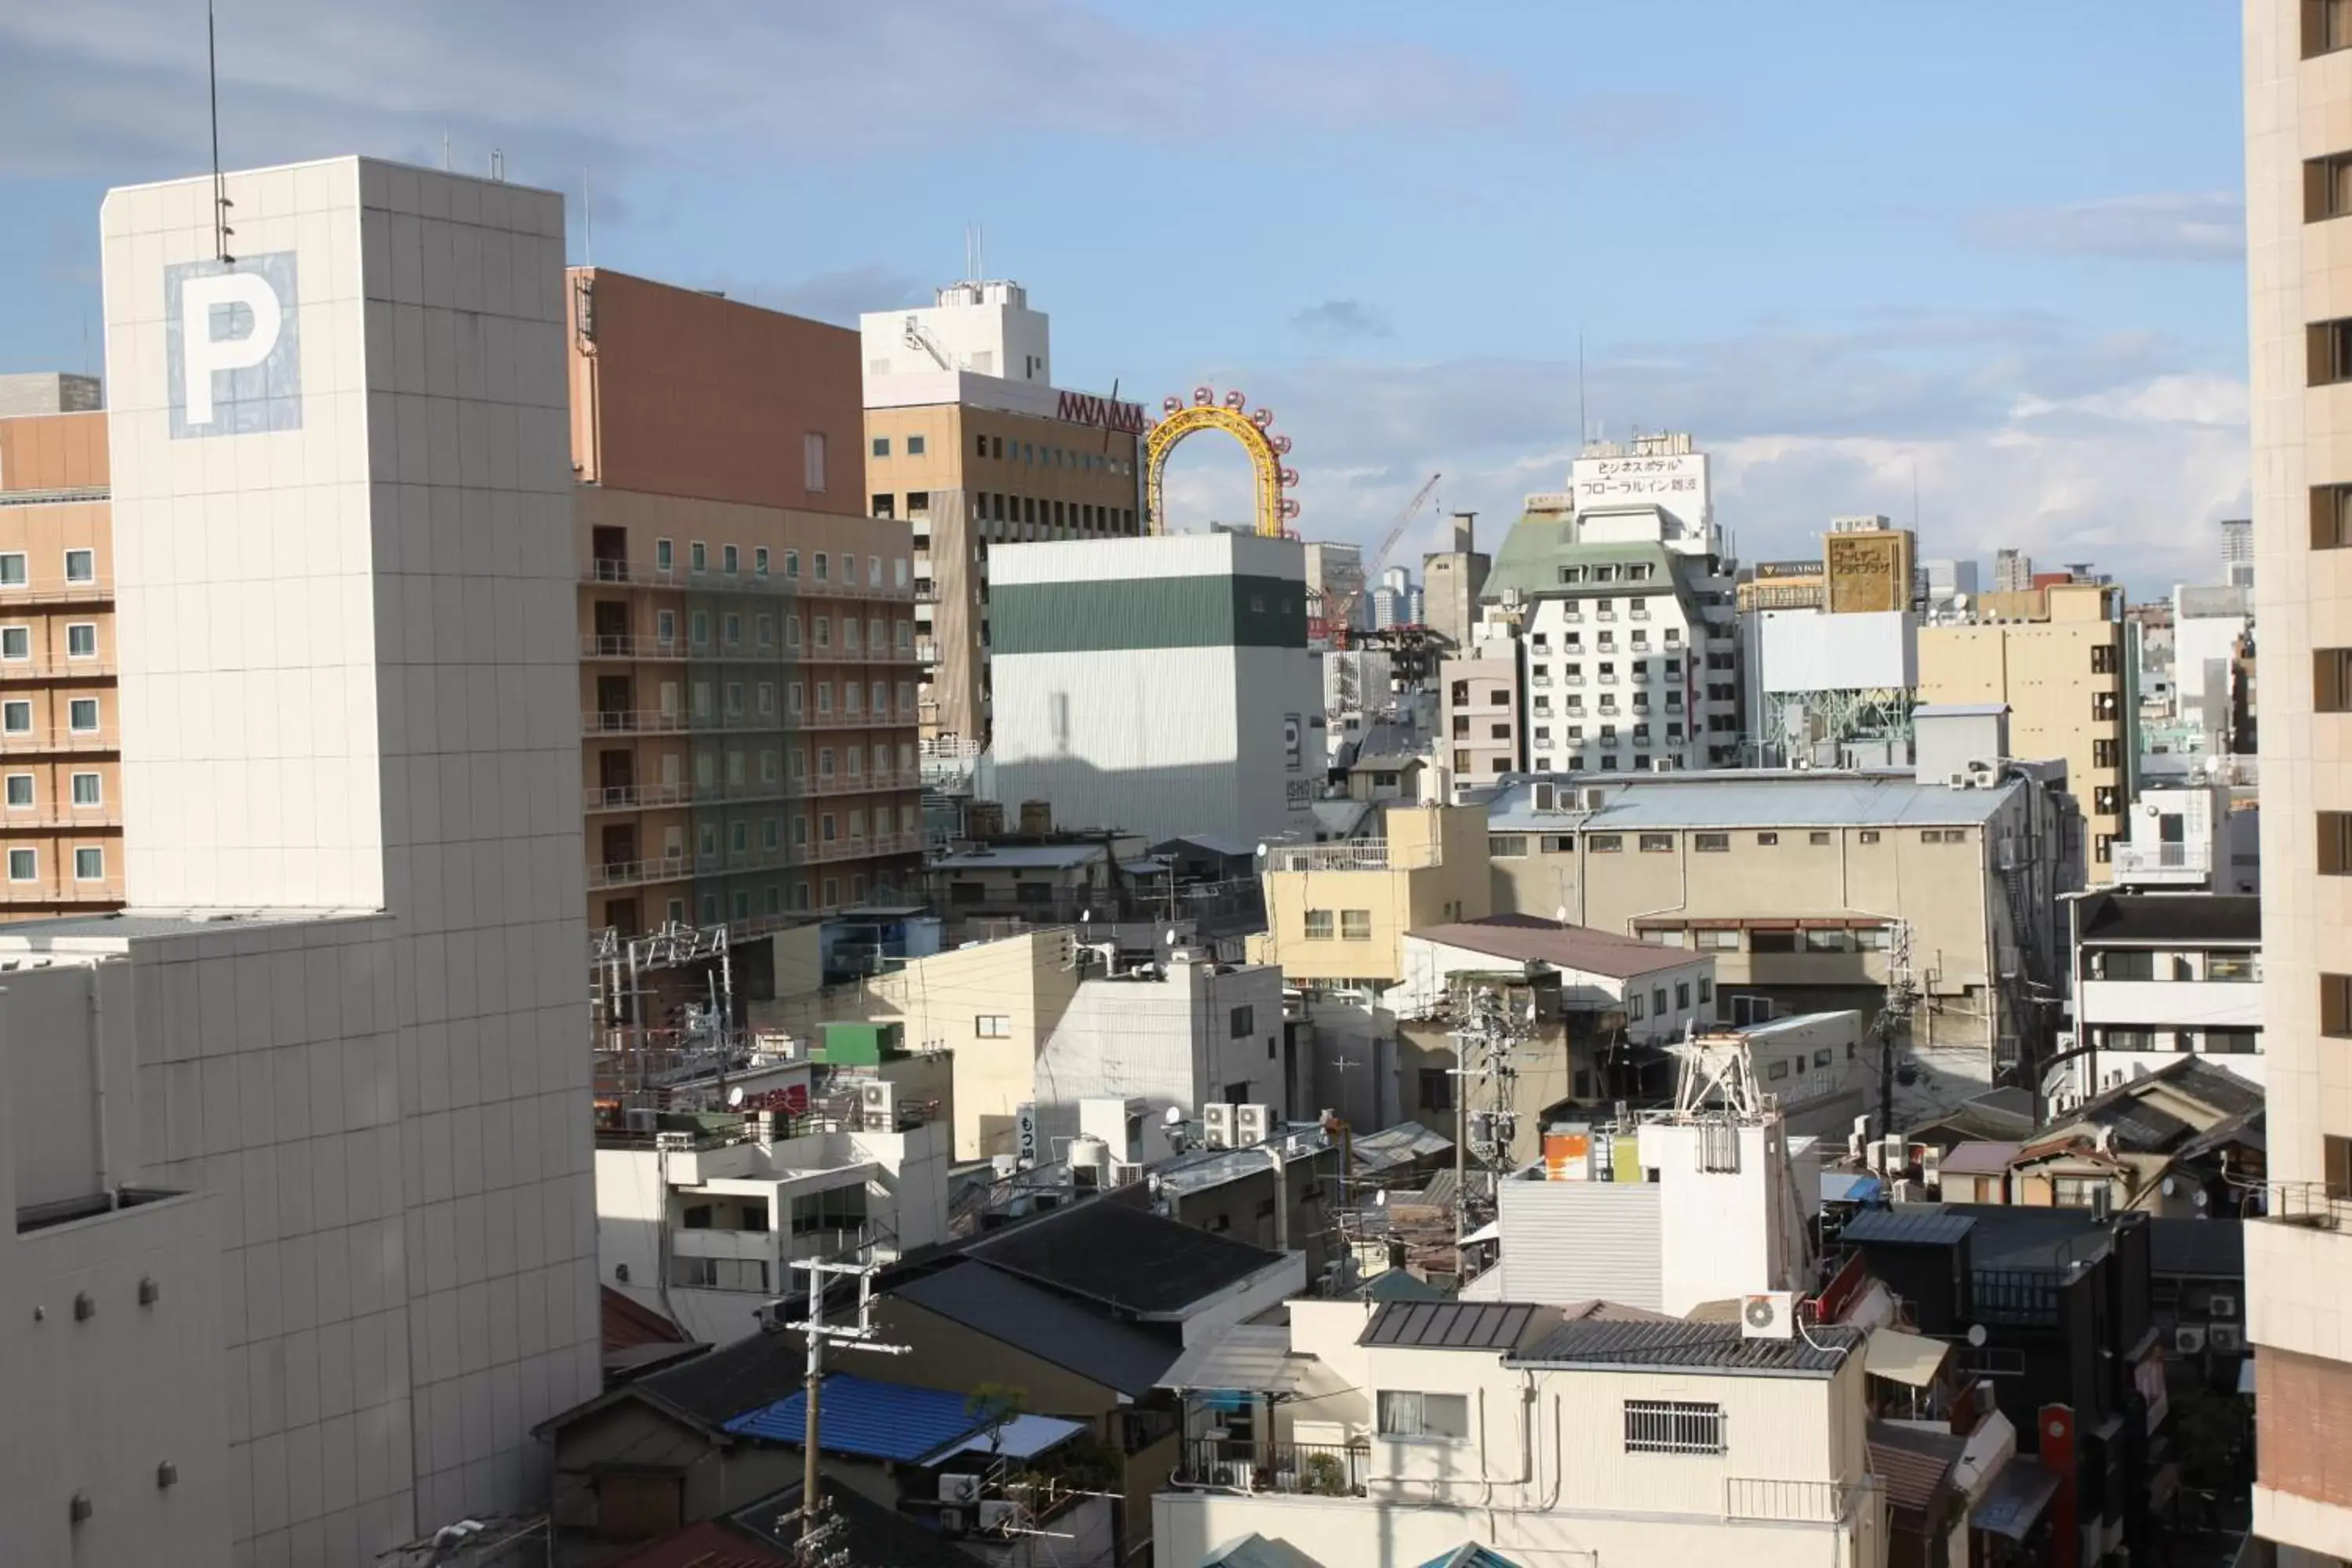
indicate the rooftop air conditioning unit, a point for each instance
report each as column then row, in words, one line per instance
column 1931, row 1167
column 638, row 1121
column 1955, row 781
column 1662, row 764
column 955, row 1520
column 1253, row 1125
column 1001, row 1513
column 2222, row 1306
column 1769, row 1315
column 1217, row 1125
column 674, row 1143
column 1594, row 799
column 1239, row 1474
column 2225, row 1339
column 959, row 1489
column 2188, row 1340
column 1125, row 1173
column 877, row 1103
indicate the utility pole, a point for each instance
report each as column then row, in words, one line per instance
column 815, row 1531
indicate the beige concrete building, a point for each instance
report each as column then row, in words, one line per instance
column 2068, row 678
column 967, row 440
column 2298, row 93
column 1481, row 701
column 1809, row 890
column 1336, row 915
column 61, row 812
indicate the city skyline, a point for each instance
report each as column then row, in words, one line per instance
column 1967, row 284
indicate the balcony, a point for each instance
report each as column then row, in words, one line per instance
column 61, row 670
column 29, row 745
column 631, row 722
column 1573, row 615
column 1604, row 615
column 848, row 722
column 1788, row 1501
column 628, row 645
column 706, row 582
column 1355, row 855
column 638, row 873
column 633, row 797
column 2164, row 863
column 57, row 591
column 1638, row 613
column 1308, row 1469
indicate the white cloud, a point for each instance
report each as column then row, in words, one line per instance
column 2166, row 226
column 2123, row 449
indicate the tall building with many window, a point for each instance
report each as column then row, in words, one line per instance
column 61, row 812
column 747, row 636
column 2298, row 94
column 968, row 441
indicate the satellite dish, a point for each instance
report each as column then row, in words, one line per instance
column 735, row 1097
column 1261, row 851
column 1172, row 940
column 1559, row 915
column 2171, row 1186
column 1977, row 1335
column 1172, row 1117
column 2201, row 1200
column 1959, row 600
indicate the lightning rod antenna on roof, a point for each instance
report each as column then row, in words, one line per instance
column 221, row 204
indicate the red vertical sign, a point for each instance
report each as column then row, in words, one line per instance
column 2057, row 1452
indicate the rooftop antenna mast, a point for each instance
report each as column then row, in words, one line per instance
column 221, row 204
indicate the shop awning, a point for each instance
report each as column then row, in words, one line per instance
column 1914, row 1359
column 2013, row 1504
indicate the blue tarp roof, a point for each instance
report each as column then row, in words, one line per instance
column 868, row 1419
column 1851, row 1187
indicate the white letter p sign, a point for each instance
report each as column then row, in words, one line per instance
column 233, row 360
column 205, row 354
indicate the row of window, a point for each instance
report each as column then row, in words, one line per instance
column 699, row 623
column 2226, row 964
column 89, row 790
column 1539, row 643
column 1634, row 572
column 742, row 904
column 855, row 700
column 1513, row 846
column 82, row 717
column 1355, row 925
column 89, row 864
column 16, row 642
column 1813, row 938
column 15, row 568
column 1039, row 513
column 822, row 565
column 2210, row 1041
column 996, row 448
column 1639, row 669
column 829, row 826
column 1657, row 1000
column 706, row 764
column 914, row 446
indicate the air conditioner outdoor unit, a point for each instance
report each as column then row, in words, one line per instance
column 1217, row 1125
column 1125, row 1173
column 2222, row 1306
column 1239, row 1474
column 638, row 1121
column 1768, row 1315
column 959, row 1489
column 999, row 1513
column 1253, row 1125
column 955, row 1521
column 1931, row 1166
column 2188, row 1340
column 1594, row 799
column 674, row 1143
column 2225, row 1339
column 1956, row 781
column 877, row 1099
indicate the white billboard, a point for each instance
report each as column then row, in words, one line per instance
column 1812, row 650
column 1676, row 483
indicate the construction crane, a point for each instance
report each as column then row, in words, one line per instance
column 1339, row 615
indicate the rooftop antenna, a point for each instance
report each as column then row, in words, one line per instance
column 1914, row 493
column 587, row 223
column 1583, row 425
column 445, row 150
column 221, row 204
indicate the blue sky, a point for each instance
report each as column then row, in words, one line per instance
column 1992, row 242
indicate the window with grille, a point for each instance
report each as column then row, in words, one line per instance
column 1711, row 842
column 1319, row 925
column 1506, row 846
column 1672, row 1426
column 1356, row 925
column 1657, row 843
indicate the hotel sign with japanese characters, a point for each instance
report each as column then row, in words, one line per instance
column 1678, row 484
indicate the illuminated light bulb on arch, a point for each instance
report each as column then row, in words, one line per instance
column 1172, row 404
column 1236, row 399
column 1202, row 396
column 1282, row 445
column 1290, row 476
column 1262, row 418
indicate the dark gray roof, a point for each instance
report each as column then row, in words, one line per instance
column 2013, row 1236
column 1125, row 1258
column 1919, row 1225
column 1707, row 1347
column 2172, row 917
column 716, row 1388
column 1451, row 1325
column 2206, row 1249
column 1077, row 1336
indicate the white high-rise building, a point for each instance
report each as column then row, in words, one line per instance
column 1160, row 684
column 346, row 1005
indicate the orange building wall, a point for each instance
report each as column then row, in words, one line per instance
column 53, row 452
column 685, row 393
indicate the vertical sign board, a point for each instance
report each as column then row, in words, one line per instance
column 232, row 345
column 1025, row 1132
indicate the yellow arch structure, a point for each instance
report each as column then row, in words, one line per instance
column 1273, row 510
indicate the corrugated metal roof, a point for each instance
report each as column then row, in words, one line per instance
column 2171, row 917
column 1252, row 1357
column 1528, row 938
column 1912, row 1358
column 2209, row 1249
column 1849, row 1187
column 1450, row 1325
column 1749, row 797
column 1913, row 1225
column 1695, row 1347
column 1022, row 857
column 868, row 1420
column 1080, row 1337
column 1125, row 1257
column 1979, row 1157
column 1914, row 1465
column 1022, row 1437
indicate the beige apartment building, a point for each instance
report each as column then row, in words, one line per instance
column 60, row 784
column 2070, row 681
column 1481, row 704
column 968, row 439
column 2298, row 93
column 747, row 636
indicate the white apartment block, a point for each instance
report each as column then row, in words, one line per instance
column 2160, row 975
column 354, row 1015
column 705, row 1225
column 1406, row 1433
